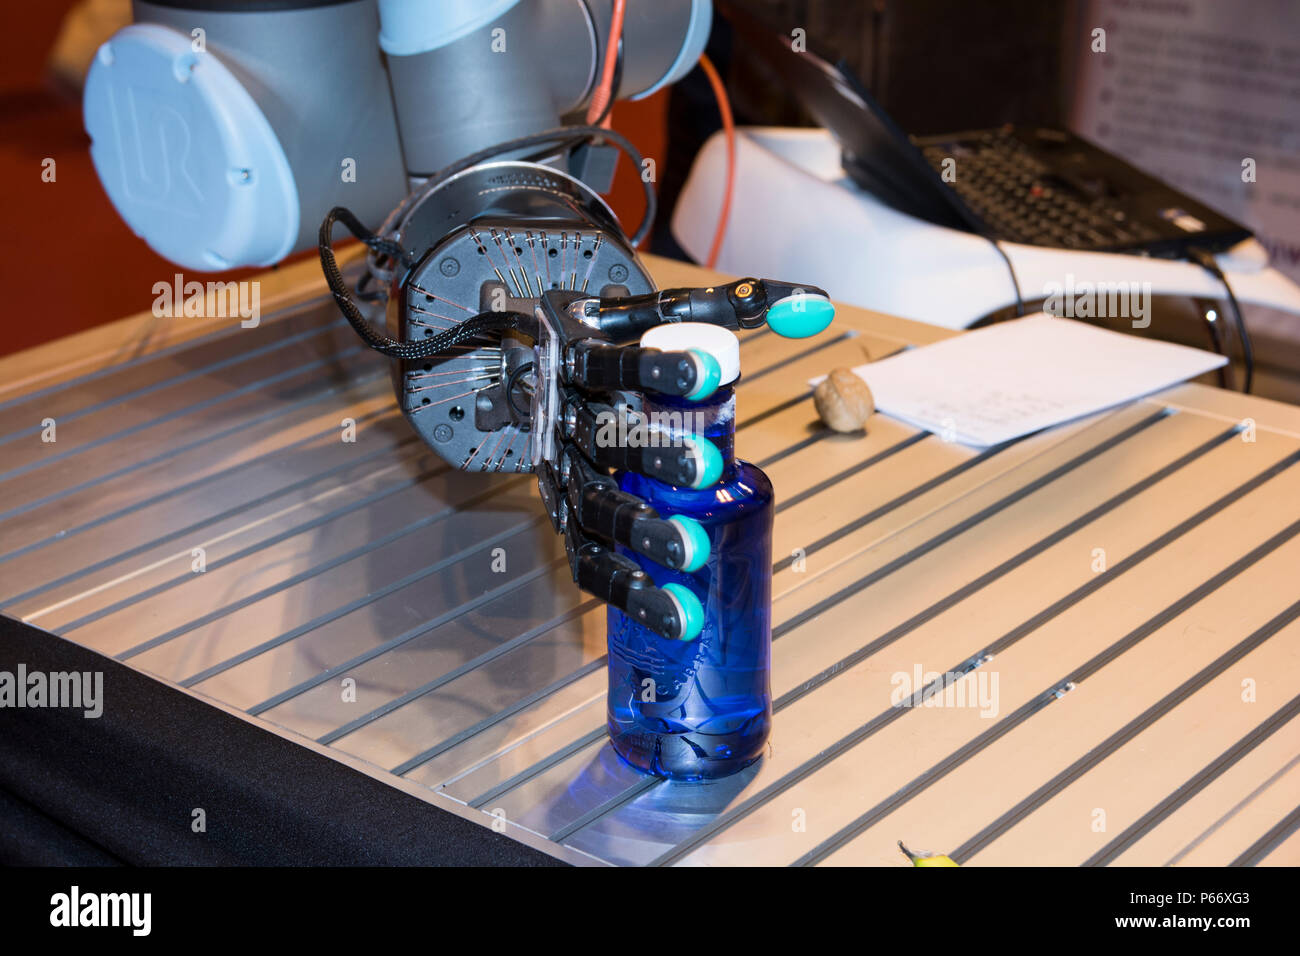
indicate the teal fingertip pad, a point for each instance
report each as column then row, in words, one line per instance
column 691, row 611
column 801, row 315
column 708, row 463
column 708, row 375
column 695, row 543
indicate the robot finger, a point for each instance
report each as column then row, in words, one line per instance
column 621, row 439
column 671, row 611
column 604, row 511
column 599, row 365
column 792, row 311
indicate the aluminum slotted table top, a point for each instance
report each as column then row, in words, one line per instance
column 1117, row 601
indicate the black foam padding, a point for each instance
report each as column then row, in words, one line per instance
column 123, row 787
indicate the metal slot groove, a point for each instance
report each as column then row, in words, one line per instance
column 442, row 680
column 558, row 756
column 1038, row 547
column 523, row 703
column 370, row 598
column 242, row 391
column 400, row 449
column 600, row 810
column 992, row 649
column 188, row 375
column 853, row 469
column 253, row 549
column 281, row 452
column 1270, row 841
column 302, row 309
column 1185, row 792
column 406, row 636
column 774, row 410
column 302, row 576
column 813, row 439
column 1233, row 811
column 797, row 356
column 966, row 524
column 894, row 503
column 137, row 464
column 1052, row 693
column 1140, row 723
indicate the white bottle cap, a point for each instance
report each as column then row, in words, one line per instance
column 721, row 343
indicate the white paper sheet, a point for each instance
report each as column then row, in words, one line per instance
column 1011, row 379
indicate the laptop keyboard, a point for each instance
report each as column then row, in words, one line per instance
column 1020, row 198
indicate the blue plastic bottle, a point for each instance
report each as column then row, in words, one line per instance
column 701, row 709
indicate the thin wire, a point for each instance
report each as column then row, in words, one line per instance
column 469, row 329
column 729, row 126
column 1015, row 283
column 433, row 295
column 412, row 389
column 605, row 92
column 1206, row 260
column 618, row 81
column 511, row 382
column 1216, row 342
column 567, row 135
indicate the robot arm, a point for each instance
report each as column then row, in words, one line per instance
column 511, row 298
column 224, row 130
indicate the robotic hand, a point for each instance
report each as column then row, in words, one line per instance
column 583, row 383
column 543, row 367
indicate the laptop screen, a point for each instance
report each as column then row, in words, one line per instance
column 878, row 155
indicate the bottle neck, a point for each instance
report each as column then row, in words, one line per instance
column 714, row 419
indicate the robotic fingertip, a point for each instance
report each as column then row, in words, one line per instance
column 695, row 543
column 690, row 612
column 708, row 373
column 708, row 462
column 800, row 315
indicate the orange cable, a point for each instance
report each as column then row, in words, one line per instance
column 605, row 90
column 729, row 125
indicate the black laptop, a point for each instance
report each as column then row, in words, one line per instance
column 1025, row 184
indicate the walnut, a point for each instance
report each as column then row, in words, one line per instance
column 843, row 401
